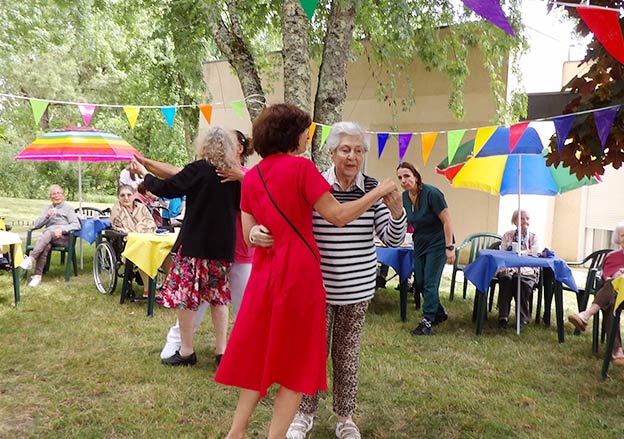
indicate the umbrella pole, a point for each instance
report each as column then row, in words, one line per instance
column 518, row 231
column 80, row 203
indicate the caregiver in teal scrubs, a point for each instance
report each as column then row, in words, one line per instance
column 428, row 213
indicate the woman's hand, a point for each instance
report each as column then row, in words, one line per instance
column 394, row 203
column 386, row 187
column 137, row 168
column 230, row 174
column 450, row 256
column 260, row 236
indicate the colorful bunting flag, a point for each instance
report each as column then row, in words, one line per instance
column 206, row 110
column 404, row 141
column 483, row 135
column 325, row 129
column 562, row 129
column 169, row 113
column 604, row 120
column 132, row 113
column 492, row 11
column 86, row 111
column 515, row 132
column 237, row 106
column 38, row 107
column 605, row 25
column 311, row 130
column 382, row 138
column 309, row 6
column 427, row 139
column 453, row 139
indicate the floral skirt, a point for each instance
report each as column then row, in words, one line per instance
column 195, row 280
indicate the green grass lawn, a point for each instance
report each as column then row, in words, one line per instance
column 78, row 364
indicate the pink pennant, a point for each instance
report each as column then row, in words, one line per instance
column 404, row 140
column 492, row 11
column 604, row 121
column 515, row 132
column 86, row 110
column 382, row 138
column 562, row 128
column 605, row 25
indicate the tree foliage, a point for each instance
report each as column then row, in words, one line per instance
column 601, row 86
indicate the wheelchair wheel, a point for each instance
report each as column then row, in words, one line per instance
column 105, row 268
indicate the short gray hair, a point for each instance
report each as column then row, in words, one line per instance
column 217, row 147
column 516, row 214
column 340, row 129
column 615, row 238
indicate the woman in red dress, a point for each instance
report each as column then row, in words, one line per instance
column 279, row 335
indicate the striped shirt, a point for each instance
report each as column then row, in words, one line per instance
column 348, row 257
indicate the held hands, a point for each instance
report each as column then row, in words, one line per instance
column 230, row 174
column 260, row 236
column 137, row 168
column 386, row 187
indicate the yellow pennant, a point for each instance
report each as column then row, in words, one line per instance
column 483, row 135
column 311, row 132
column 132, row 113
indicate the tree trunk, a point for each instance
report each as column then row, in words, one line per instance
column 296, row 55
column 331, row 91
column 231, row 43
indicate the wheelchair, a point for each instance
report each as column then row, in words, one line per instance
column 108, row 266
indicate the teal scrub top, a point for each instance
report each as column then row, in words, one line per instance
column 428, row 229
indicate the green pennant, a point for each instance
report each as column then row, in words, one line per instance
column 237, row 106
column 38, row 107
column 325, row 129
column 309, row 6
column 453, row 139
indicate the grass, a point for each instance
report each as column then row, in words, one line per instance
column 78, row 364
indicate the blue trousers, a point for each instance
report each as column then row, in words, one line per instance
column 427, row 275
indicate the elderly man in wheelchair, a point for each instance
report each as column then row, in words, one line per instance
column 127, row 216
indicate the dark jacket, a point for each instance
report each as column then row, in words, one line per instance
column 209, row 225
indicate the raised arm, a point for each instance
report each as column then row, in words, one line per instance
column 159, row 169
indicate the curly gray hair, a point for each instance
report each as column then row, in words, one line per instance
column 217, row 147
column 340, row 129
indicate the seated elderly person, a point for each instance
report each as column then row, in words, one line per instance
column 129, row 216
column 612, row 267
column 58, row 219
column 508, row 277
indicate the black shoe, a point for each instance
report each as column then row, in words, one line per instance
column 423, row 328
column 178, row 360
column 218, row 360
column 503, row 324
column 380, row 282
column 440, row 318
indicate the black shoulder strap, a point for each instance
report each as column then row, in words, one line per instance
column 284, row 215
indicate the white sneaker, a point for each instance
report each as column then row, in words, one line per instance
column 169, row 350
column 27, row 263
column 300, row 426
column 35, row 281
column 347, row 430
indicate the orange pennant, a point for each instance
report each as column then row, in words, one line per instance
column 206, row 110
column 427, row 139
column 311, row 132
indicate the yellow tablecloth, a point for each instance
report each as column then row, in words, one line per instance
column 8, row 238
column 148, row 250
column 618, row 285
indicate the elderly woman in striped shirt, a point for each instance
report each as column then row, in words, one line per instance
column 348, row 264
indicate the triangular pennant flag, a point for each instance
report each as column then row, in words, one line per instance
column 206, row 110
column 325, row 129
column 605, row 25
column 604, row 120
column 309, row 6
column 515, row 132
column 38, row 107
column 86, row 110
column 453, row 138
column 492, row 11
column 311, row 130
column 382, row 138
column 404, row 141
column 132, row 113
column 427, row 139
column 169, row 113
column 562, row 129
column 483, row 135
column 237, row 106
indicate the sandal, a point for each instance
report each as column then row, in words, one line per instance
column 578, row 322
column 300, row 426
column 347, row 430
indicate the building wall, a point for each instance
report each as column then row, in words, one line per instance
column 471, row 211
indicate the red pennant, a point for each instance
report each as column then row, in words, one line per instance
column 515, row 132
column 605, row 25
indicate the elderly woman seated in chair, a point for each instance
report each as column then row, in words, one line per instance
column 612, row 267
column 128, row 216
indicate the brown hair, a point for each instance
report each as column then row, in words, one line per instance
column 278, row 128
column 246, row 144
column 419, row 183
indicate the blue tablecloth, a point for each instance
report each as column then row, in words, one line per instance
column 401, row 259
column 91, row 227
column 481, row 271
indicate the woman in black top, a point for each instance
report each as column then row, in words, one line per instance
column 205, row 246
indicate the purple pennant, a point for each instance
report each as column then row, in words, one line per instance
column 604, row 120
column 562, row 128
column 491, row 10
column 404, row 140
column 382, row 138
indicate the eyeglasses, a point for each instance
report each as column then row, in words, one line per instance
column 346, row 150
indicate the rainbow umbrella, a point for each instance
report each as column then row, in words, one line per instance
column 79, row 144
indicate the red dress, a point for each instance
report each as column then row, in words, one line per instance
column 279, row 334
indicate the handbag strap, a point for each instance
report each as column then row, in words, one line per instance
column 284, row 215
